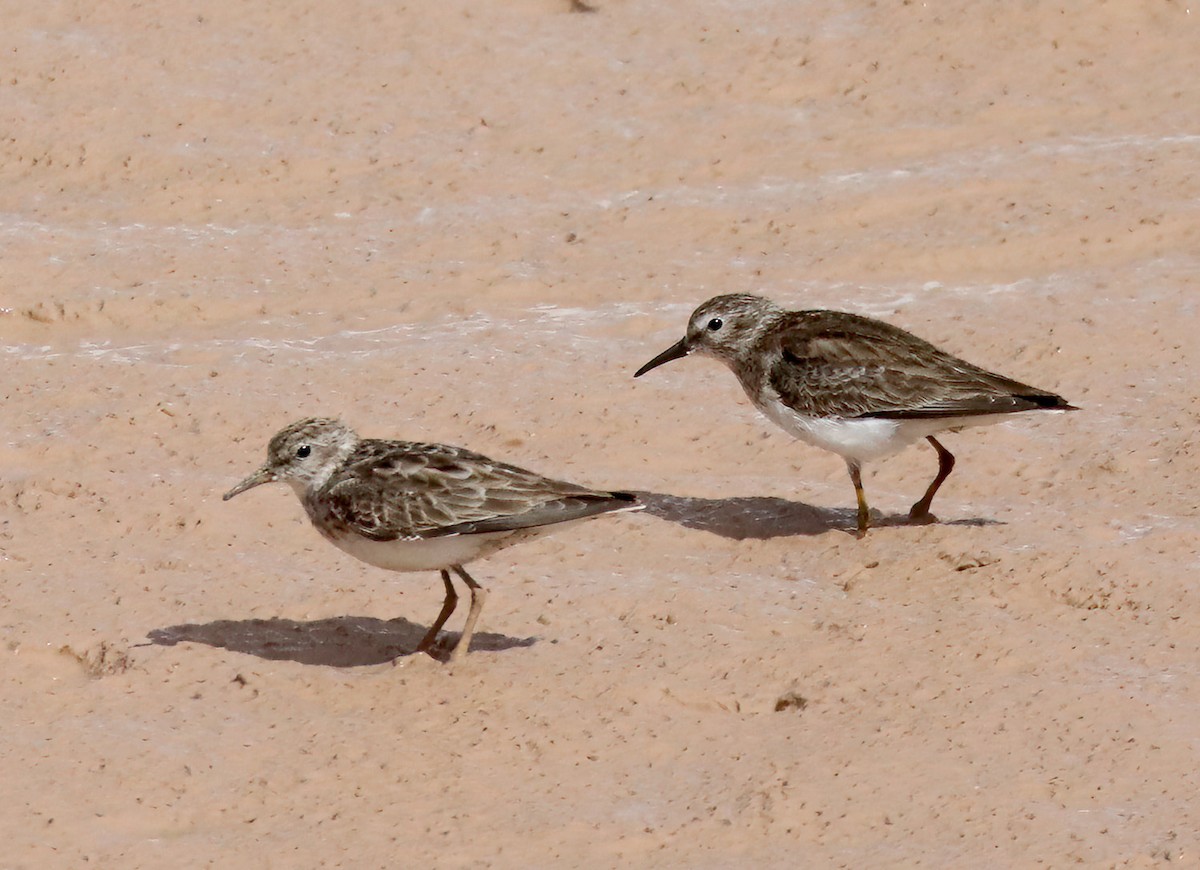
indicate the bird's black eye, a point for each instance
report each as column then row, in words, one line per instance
column 715, row 324
column 303, row 451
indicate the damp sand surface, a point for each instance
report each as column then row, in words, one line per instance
column 470, row 224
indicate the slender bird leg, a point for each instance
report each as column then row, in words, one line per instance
column 920, row 511
column 447, row 608
column 478, row 596
column 864, row 512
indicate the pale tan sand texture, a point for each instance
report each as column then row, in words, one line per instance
column 470, row 223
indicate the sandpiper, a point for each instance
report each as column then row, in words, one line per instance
column 850, row 384
column 406, row 506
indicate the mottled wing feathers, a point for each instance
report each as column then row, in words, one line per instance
column 968, row 406
column 576, row 507
column 836, row 364
column 390, row 490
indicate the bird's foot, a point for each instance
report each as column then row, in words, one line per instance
column 920, row 516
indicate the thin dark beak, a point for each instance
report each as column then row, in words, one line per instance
column 675, row 351
column 263, row 475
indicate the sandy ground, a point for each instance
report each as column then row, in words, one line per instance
column 470, row 223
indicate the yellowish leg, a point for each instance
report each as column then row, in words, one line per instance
column 864, row 512
column 478, row 596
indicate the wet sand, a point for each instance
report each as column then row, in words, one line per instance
column 471, row 224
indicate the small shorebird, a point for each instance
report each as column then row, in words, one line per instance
column 406, row 506
column 850, row 384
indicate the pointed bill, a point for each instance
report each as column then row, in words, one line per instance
column 675, row 351
column 263, row 475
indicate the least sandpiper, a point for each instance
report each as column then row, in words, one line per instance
column 407, row 506
column 850, row 384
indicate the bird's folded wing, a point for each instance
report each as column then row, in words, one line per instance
column 969, row 406
column 450, row 492
column 870, row 369
column 560, row 511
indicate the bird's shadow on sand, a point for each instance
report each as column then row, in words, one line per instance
column 355, row 641
column 763, row 517
column 339, row 642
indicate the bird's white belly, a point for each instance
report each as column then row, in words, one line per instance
column 425, row 554
column 864, row 438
